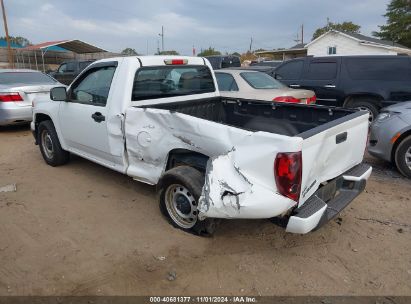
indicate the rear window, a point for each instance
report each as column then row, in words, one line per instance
column 322, row 70
column 226, row 82
column 260, row 80
column 84, row 64
column 379, row 68
column 230, row 61
column 25, row 78
column 171, row 81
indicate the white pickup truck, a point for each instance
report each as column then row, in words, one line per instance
column 161, row 121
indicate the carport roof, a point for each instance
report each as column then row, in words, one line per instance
column 76, row 46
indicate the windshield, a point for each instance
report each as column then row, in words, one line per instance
column 26, row 78
column 171, row 81
column 260, row 80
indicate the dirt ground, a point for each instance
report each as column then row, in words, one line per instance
column 82, row 229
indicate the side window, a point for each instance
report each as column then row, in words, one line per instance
column 62, row 68
column 71, row 67
column 322, row 70
column 290, row 71
column 226, row 82
column 93, row 87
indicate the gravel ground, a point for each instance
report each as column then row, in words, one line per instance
column 82, row 229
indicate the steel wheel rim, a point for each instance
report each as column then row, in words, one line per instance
column 47, row 144
column 408, row 158
column 371, row 117
column 181, row 206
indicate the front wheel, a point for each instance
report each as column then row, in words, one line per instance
column 369, row 106
column 50, row 147
column 179, row 191
column 403, row 157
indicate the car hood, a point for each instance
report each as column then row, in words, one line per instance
column 400, row 107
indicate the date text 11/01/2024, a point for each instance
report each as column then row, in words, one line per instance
column 200, row 299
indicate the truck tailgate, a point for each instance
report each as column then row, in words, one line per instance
column 331, row 149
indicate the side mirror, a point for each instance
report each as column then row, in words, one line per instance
column 58, row 94
column 278, row 77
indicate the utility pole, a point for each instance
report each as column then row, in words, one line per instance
column 302, row 33
column 10, row 54
column 162, row 38
column 251, row 44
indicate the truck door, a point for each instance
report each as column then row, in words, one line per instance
column 83, row 118
column 290, row 73
column 321, row 76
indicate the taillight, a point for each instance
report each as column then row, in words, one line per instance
column 288, row 172
column 175, row 61
column 286, row 99
column 10, row 97
column 312, row 99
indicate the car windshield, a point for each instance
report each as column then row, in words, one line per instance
column 26, row 78
column 260, row 80
column 171, row 81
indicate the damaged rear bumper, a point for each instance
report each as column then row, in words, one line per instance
column 329, row 200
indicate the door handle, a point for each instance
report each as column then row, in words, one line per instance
column 294, row 85
column 98, row 117
column 330, row 86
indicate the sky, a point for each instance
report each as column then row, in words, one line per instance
column 226, row 25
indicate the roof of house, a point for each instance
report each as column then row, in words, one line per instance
column 363, row 39
column 373, row 40
column 298, row 46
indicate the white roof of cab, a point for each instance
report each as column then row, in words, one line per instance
column 157, row 60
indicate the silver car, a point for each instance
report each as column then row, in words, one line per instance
column 248, row 84
column 18, row 88
column 390, row 137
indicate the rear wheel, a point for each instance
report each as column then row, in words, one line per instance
column 403, row 157
column 50, row 147
column 179, row 190
column 366, row 105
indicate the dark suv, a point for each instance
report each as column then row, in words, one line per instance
column 69, row 70
column 221, row 62
column 367, row 82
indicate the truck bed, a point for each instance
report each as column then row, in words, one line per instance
column 254, row 115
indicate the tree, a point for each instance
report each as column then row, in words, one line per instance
column 172, row 52
column 18, row 40
column 129, row 52
column 236, row 54
column 346, row 26
column 209, row 52
column 398, row 27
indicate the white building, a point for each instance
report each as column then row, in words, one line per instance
column 342, row 43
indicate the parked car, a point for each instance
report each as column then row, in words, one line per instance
column 221, row 62
column 161, row 120
column 390, row 137
column 69, row 70
column 267, row 63
column 18, row 88
column 248, row 84
column 365, row 82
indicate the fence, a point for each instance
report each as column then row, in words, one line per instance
column 34, row 59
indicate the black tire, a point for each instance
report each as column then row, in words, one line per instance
column 369, row 105
column 49, row 144
column 403, row 155
column 189, row 184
